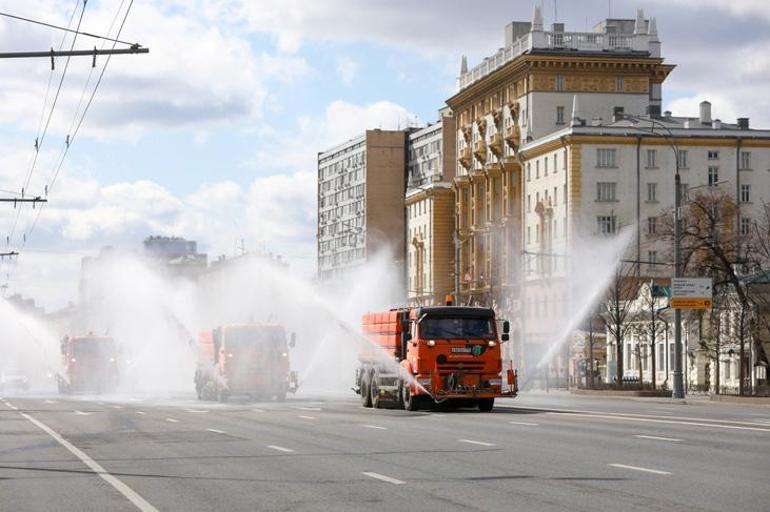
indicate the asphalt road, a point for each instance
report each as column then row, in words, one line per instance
column 537, row 452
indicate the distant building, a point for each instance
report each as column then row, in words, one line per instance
column 179, row 256
column 361, row 202
column 429, row 201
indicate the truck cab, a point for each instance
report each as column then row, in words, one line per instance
column 90, row 364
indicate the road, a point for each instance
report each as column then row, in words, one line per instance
column 535, row 453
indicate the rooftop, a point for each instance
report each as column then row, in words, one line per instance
column 616, row 37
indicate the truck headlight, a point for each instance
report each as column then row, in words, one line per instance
column 431, row 343
column 492, row 343
column 73, row 360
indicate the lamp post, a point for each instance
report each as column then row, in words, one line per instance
column 678, row 384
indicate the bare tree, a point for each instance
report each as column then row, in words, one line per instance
column 615, row 310
column 649, row 326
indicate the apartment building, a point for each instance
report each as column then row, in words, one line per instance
column 361, row 185
column 429, row 202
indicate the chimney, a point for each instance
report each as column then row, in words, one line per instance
column 667, row 114
column 705, row 112
column 463, row 65
column 639, row 26
column 617, row 114
column 557, row 27
column 575, row 115
column 537, row 20
column 743, row 123
column 653, row 110
column 717, row 124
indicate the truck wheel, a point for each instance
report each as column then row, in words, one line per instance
column 374, row 391
column 486, row 404
column 411, row 402
column 366, row 398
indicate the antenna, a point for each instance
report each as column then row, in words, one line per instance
column 609, row 8
column 555, row 11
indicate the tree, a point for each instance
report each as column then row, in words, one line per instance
column 615, row 310
column 649, row 326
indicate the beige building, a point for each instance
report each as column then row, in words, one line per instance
column 429, row 202
column 519, row 96
column 361, row 202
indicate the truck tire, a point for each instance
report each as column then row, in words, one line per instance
column 366, row 398
column 374, row 391
column 486, row 404
column 411, row 402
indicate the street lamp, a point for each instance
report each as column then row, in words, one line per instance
column 678, row 391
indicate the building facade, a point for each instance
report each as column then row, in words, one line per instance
column 361, row 186
column 518, row 97
column 429, row 203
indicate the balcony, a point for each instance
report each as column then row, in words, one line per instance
column 466, row 157
column 496, row 145
column 480, row 150
column 513, row 136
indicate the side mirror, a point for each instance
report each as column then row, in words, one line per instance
column 506, row 326
column 505, row 337
column 293, row 340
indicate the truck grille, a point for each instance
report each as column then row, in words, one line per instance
column 461, row 366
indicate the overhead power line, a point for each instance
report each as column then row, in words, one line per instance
column 65, row 29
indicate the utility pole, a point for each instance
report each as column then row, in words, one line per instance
column 678, row 391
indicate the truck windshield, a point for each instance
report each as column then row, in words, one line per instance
column 457, row 328
column 247, row 337
column 93, row 347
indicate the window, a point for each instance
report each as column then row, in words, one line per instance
column 605, row 224
column 619, row 84
column 537, row 169
column 713, row 155
column 652, row 225
column 605, row 158
column 745, row 160
column 745, row 225
column 529, row 234
column 529, row 171
column 545, row 166
column 652, row 259
column 555, row 163
column 652, row 158
column 560, row 115
column 537, row 234
column 681, row 157
column 560, row 83
column 529, row 202
column 713, row 176
column 555, row 195
column 652, row 192
column 745, row 193
column 605, row 191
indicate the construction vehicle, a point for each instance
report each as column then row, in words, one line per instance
column 245, row 359
column 90, row 364
column 421, row 356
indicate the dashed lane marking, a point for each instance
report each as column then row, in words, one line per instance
column 50, row 402
column 216, row 431
column 258, row 410
column 525, row 423
column 375, row 427
column 196, row 411
column 307, row 417
column 117, row 406
column 172, row 420
column 657, row 438
column 134, row 497
column 307, row 408
column 384, row 478
column 636, row 468
column 471, row 441
column 81, row 413
column 668, row 421
column 279, row 448
column 141, row 413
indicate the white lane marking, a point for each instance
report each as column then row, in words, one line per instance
column 471, row 441
column 81, row 413
column 100, row 403
column 624, row 414
column 196, row 410
column 11, row 406
column 307, row 417
column 50, row 402
column 307, row 408
column 117, row 406
column 384, row 478
column 527, row 424
column 279, row 448
column 636, row 468
column 657, row 438
column 671, row 421
column 216, row 431
column 141, row 412
column 140, row 503
column 172, row 420
column 258, row 410
column 375, row 427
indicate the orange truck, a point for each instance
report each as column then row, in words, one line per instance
column 244, row 359
column 420, row 356
column 90, row 364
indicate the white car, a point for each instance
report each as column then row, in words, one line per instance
column 14, row 378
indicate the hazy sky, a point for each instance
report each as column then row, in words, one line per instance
column 213, row 135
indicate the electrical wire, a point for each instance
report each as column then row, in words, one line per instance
column 57, row 27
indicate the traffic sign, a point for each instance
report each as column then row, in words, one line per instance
column 691, row 293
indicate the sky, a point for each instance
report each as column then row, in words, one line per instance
column 213, row 135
